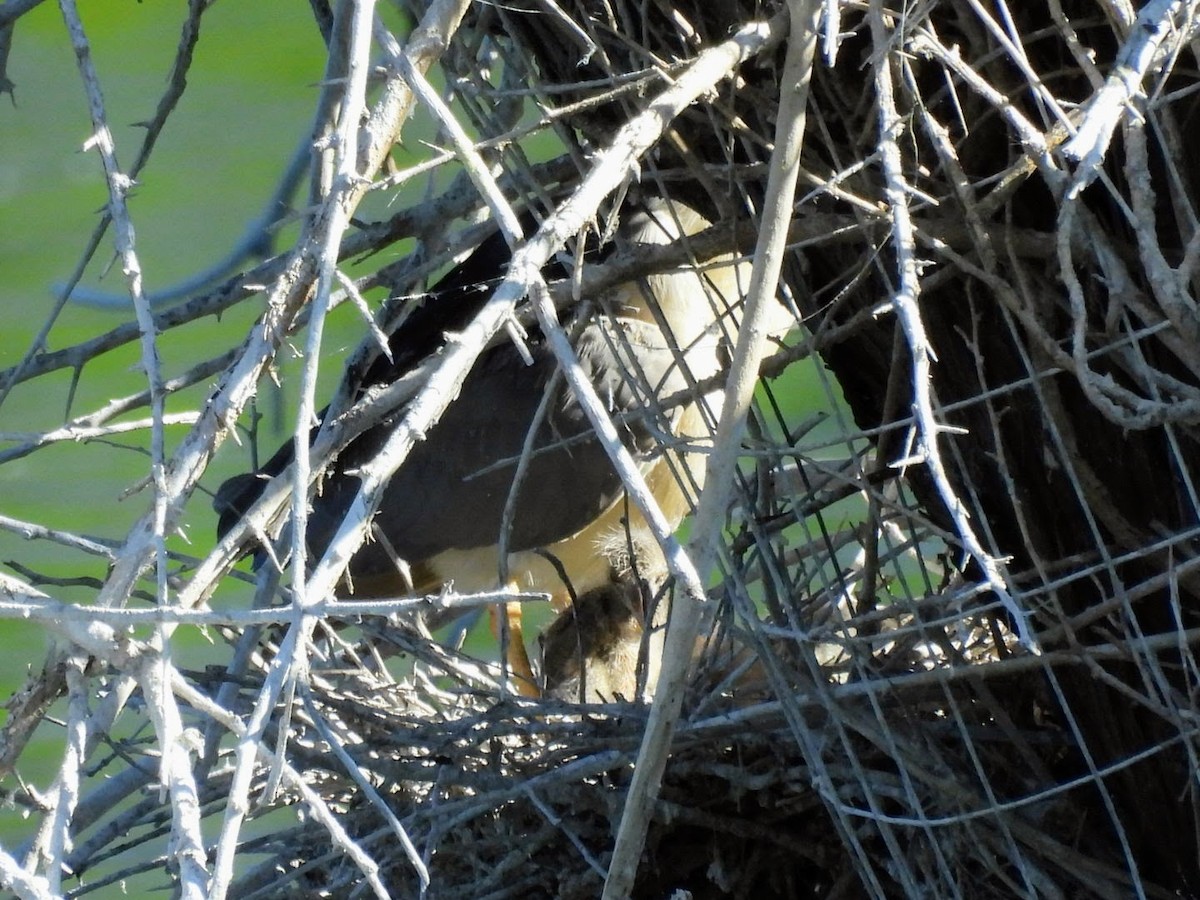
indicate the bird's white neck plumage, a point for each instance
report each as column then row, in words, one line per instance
column 699, row 307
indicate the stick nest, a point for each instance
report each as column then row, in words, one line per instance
column 981, row 441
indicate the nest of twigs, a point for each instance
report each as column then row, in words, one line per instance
column 948, row 649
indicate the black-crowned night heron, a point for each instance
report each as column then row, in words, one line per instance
column 441, row 515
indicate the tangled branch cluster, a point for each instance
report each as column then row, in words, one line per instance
column 947, row 645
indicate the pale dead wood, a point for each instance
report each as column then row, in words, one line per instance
column 991, row 235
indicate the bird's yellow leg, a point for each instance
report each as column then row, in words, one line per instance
column 517, row 656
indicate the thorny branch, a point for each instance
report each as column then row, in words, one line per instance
column 715, row 499
column 859, row 705
column 927, row 428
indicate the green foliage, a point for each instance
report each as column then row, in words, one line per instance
column 212, row 170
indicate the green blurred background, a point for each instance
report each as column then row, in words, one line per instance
column 249, row 100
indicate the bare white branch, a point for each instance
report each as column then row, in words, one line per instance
column 908, row 312
column 714, row 500
column 1155, row 21
column 24, row 884
column 119, row 185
